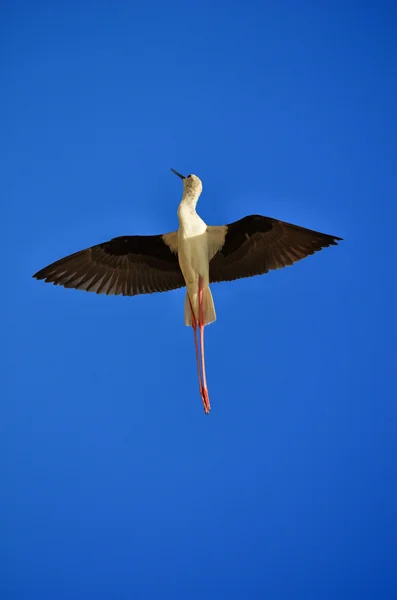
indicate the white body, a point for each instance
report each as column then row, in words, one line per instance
column 194, row 251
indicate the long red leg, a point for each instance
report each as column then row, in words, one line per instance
column 194, row 325
column 204, row 389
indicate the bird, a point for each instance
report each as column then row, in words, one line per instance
column 194, row 256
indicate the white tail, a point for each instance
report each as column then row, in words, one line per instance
column 209, row 308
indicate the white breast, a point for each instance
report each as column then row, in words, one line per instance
column 192, row 246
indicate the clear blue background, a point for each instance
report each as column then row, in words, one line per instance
column 114, row 484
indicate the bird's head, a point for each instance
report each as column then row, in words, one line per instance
column 191, row 183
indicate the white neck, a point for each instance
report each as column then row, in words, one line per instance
column 189, row 200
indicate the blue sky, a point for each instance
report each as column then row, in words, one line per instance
column 115, row 484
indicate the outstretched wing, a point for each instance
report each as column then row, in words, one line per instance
column 255, row 245
column 129, row 265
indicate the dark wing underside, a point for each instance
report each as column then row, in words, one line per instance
column 255, row 245
column 128, row 265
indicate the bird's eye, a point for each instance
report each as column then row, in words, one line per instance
column 188, row 176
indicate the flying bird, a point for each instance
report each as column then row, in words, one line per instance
column 194, row 256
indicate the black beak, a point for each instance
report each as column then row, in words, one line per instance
column 176, row 173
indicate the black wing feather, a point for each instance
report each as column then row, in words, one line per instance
column 127, row 265
column 255, row 245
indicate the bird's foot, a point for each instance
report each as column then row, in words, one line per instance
column 206, row 400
